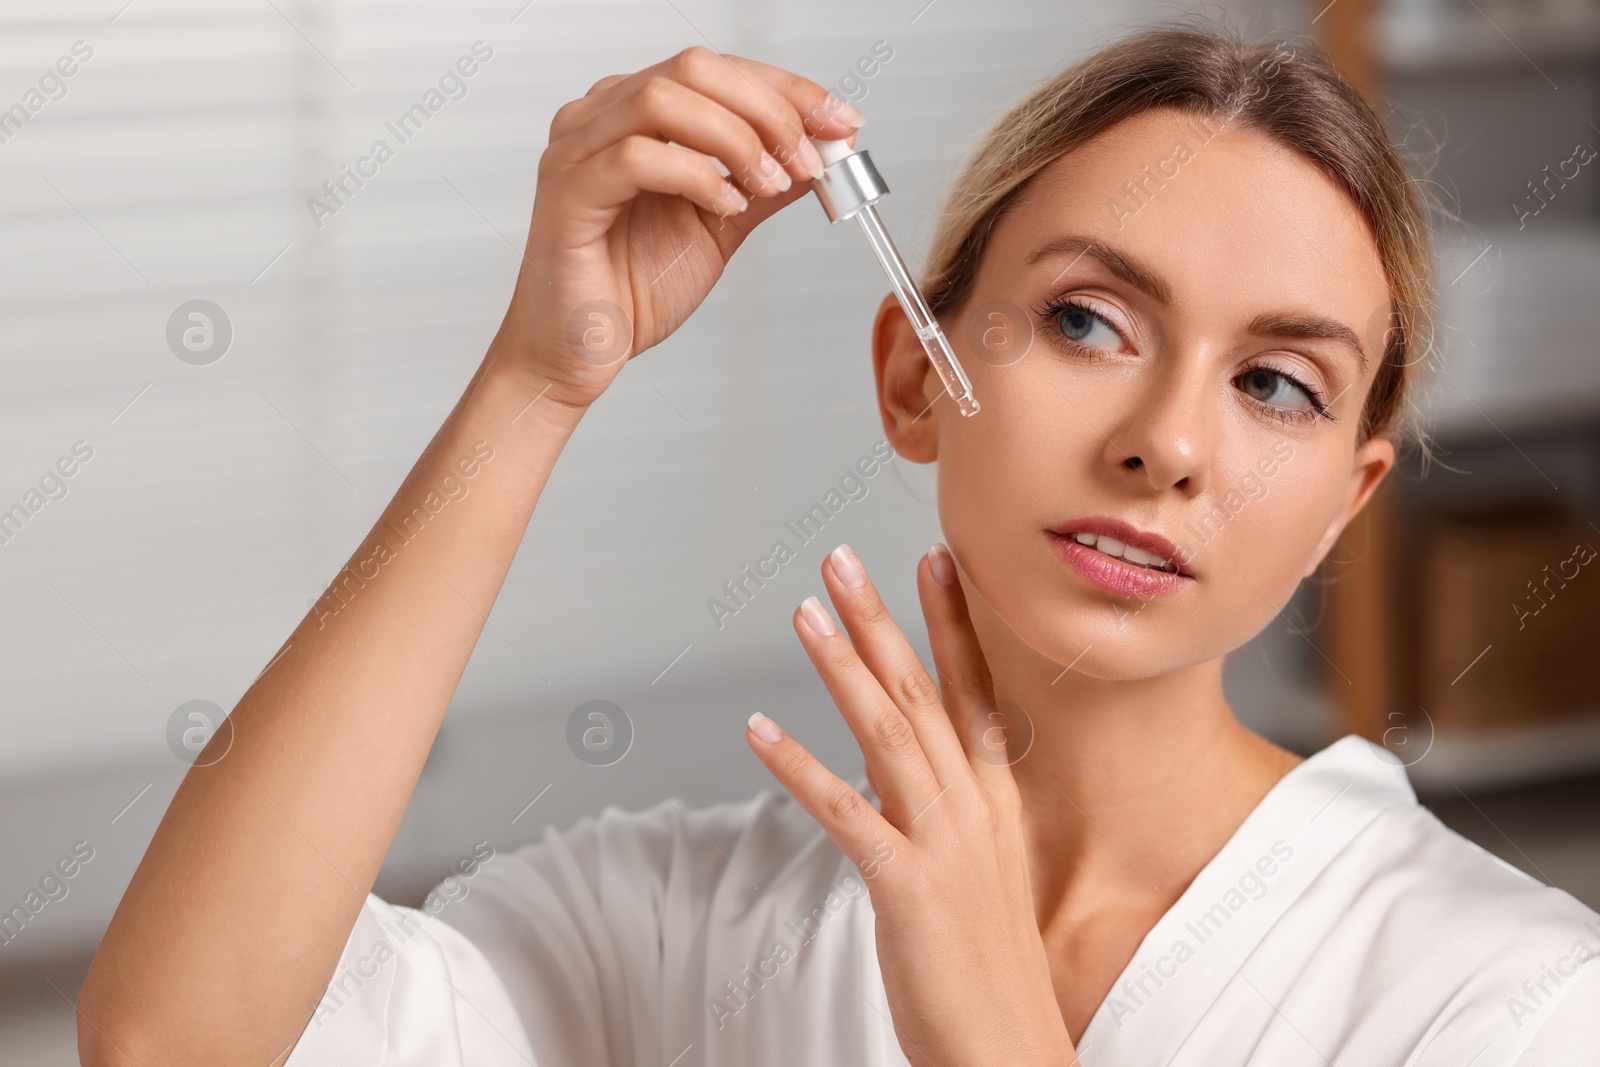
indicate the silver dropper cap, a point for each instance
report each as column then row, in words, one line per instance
column 849, row 181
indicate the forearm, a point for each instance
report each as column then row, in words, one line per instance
column 237, row 914
column 234, row 921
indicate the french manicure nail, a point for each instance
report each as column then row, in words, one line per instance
column 816, row 618
column 850, row 115
column 735, row 200
column 765, row 728
column 848, row 567
column 809, row 157
column 942, row 566
column 774, row 173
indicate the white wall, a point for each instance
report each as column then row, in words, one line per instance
column 220, row 498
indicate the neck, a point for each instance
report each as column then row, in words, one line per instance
column 1128, row 787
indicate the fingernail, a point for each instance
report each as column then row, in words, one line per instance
column 765, row 728
column 774, row 173
column 735, row 200
column 816, row 618
column 848, row 567
column 847, row 113
column 809, row 157
column 942, row 566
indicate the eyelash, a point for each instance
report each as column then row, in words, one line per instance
column 1050, row 314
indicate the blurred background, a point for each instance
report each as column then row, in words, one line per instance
column 214, row 385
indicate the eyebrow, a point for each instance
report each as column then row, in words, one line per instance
column 1309, row 327
column 1128, row 270
column 1298, row 326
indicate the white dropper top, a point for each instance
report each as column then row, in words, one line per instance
column 833, row 151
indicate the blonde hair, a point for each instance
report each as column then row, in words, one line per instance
column 1291, row 93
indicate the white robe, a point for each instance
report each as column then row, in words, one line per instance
column 1342, row 924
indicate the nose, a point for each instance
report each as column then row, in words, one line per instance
column 1162, row 438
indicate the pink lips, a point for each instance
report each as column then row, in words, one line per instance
column 1116, row 575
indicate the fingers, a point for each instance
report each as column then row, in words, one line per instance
column 642, row 164
column 575, row 113
column 598, row 88
column 848, row 817
column 888, row 657
column 670, row 111
column 779, row 109
column 823, row 115
column 968, row 685
column 886, row 735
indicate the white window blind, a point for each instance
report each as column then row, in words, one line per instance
column 209, row 500
column 176, row 165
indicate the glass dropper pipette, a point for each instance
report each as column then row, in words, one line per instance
column 849, row 187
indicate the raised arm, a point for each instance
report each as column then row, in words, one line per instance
column 234, row 921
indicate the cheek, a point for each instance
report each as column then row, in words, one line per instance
column 1253, row 562
column 1279, row 533
column 1025, row 462
column 1008, row 472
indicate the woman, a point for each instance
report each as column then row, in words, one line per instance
column 1068, row 848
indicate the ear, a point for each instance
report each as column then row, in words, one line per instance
column 1373, row 460
column 904, row 375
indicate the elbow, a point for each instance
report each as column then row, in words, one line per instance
column 109, row 1033
column 102, row 1041
column 132, row 1024
column 95, row 1049
column 98, row 1048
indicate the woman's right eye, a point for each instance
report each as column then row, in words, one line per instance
column 1080, row 326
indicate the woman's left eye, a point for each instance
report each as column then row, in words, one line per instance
column 1081, row 326
column 1276, row 389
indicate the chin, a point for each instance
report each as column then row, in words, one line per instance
column 1141, row 647
column 1113, row 638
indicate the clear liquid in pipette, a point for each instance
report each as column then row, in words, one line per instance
column 938, row 348
column 916, row 308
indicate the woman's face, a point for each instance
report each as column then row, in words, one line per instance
column 1206, row 312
